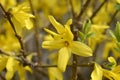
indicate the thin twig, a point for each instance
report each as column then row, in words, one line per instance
column 36, row 27
column 3, row 52
column 72, row 8
column 84, row 7
column 78, row 65
column 113, row 17
column 7, row 15
column 1, row 77
column 74, row 74
column 98, row 9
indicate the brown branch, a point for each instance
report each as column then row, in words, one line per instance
column 72, row 8
column 1, row 77
column 3, row 52
column 7, row 15
column 98, row 9
column 74, row 74
column 85, row 6
column 78, row 65
column 113, row 17
column 36, row 28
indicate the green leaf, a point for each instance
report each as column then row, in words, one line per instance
column 82, row 36
column 117, row 31
column 86, row 26
column 118, row 44
column 112, row 34
column 90, row 34
column 117, row 6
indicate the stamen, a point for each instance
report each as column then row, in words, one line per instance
column 66, row 43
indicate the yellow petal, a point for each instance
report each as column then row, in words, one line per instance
column 69, row 22
column 21, row 72
column 80, row 49
column 55, row 44
column 68, row 35
column 112, row 60
column 64, row 56
column 55, row 73
column 118, row 1
column 55, row 35
column 116, row 69
column 97, row 72
column 28, row 69
column 28, row 24
column 106, row 50
column 9, row 75
column 11, row 67
column 3, row 62
column 59, row 27
column 50, row 32
column 111, row 75
column 48, row 38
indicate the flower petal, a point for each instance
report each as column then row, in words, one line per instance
column 68, row 34
column 59, row 27
column 55, row 44
column 55, row 74
column 56, row 36
column 69, row 22
column 80, row 49
column 50, row 32
column 111, row 75
column 97, row 72
column 112, row 60
column 64, row 55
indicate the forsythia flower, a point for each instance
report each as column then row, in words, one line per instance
column 111, row 46
column 63, row 40
column 118, row 1
column 7, row 4
column 21, row 16
column 54, row 73
column 12, row 65
column 99, row 36
column 112, row 74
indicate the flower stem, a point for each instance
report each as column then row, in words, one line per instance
column 113, row 17
column 98, row 9
column 7, row 15
column 72, row 8
column 36, row 28
column 74, row 74
column 85, row 6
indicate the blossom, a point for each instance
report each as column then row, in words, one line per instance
column 63, row 40
column 112, row 74
column 99, row 36
column 21, row 16
column 54, row 72
column 12, row 65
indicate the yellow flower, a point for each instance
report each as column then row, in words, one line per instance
column 7, row 4
column 21, row 16
column 118, row 1
column 54, row 73
column 99, row 36
column 12, row 65
column 111, row 46
column 112, row 74
column 63, row 40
